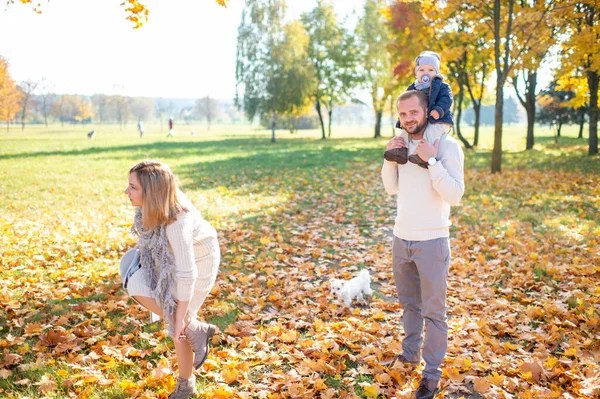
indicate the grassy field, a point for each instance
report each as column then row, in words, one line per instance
column 523, row 300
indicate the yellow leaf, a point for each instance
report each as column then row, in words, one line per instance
column 496, row 379
column 371, row 390
column 481, row 385
column 230, row 375
column 128, row 385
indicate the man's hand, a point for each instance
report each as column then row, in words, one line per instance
column 434, row 114
column 396, row 142
column 426, row 150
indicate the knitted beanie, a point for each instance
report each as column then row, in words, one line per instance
column 428, row 58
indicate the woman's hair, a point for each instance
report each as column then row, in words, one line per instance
column 160, row 201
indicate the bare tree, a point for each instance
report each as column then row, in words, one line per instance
column 207, row 108
column 27, row 88
column 45, row 89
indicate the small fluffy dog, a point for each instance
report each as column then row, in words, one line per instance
column 91, row 134
column 347, row 291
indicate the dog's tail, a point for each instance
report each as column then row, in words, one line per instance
column 364, row 273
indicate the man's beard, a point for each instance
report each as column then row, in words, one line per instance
column 416, row 128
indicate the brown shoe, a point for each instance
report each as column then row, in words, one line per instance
column 414, row 158
column 199, row 334
column 401, row 359
column 398, row 155
column 427, row 389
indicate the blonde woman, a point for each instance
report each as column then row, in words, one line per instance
column 180, row 258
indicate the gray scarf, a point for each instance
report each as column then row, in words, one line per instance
column 156, row 256
column 422, row 85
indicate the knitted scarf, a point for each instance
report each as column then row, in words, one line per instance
column 156, row 256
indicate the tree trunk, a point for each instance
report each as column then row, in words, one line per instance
column 497, row 151
column 593, row 80
column 530, row 121
column 458, row 103
column 581, row 122
column 530, row 108
column 329, row 113
column 318, row 107
column 273, row 125
column 477, row 109
column 378, row 115
column 559, row 129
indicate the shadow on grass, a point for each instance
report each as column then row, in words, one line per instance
column 569, row 154
column 173, row 148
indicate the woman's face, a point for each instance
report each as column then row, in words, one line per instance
column 134, row 190
column 425, row 70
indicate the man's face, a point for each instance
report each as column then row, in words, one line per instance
column 412, row 115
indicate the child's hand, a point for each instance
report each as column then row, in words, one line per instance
column 434, row 114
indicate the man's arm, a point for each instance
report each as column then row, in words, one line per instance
column 389, row 176
column 447, row 176
column 389, row 171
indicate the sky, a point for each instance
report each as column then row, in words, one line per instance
column 186, row 49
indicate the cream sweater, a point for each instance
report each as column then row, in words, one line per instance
column 425, row 195
column 190, row 230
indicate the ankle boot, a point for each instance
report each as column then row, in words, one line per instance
column 396, row 155
column 184, row 389
column 414, row 158
column 198, row 334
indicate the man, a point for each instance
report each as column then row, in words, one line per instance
column 421, row 251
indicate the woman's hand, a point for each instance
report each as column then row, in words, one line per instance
column 179, row 327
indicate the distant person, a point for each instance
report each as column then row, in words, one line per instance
column 141, row 127
column 171, row 132
column 439, row 94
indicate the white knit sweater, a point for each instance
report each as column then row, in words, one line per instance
column 189, row 230
column 425, row 195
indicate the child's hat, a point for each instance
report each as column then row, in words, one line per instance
column 428, row 58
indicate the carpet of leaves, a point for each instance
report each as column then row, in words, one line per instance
column 523, row 301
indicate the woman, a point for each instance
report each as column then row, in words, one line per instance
column 180, row 257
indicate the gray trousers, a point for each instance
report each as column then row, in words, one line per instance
column 420, row 273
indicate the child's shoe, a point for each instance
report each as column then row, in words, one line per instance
column 414, row 158
column 398, row 155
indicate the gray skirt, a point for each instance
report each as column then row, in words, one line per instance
column 208, row 257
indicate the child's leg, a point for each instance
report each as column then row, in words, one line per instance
column 435, row 130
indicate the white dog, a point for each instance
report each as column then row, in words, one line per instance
column 347, row 291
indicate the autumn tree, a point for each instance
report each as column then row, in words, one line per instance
column 411, row 25
column 27, row 89
column 10, row 96
column 122, row 109
column 581, row 59
column 136, row 11
column 334, row 62
column 83, row 110
column 555, row 107
column 376, row 72
column 505, row 19
column 272, row 70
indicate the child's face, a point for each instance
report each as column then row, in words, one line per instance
column 134, row 190
column 425, row 70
